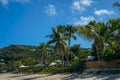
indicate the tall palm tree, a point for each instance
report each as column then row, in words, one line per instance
column 69, row 33
column 94, row 31
column 58, row 38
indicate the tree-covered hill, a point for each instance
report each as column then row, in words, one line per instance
column 16, row 52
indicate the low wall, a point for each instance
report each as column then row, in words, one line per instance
column 103, row 64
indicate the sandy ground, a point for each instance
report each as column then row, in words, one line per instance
column 10, row 76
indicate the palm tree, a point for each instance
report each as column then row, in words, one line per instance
column 114, row 33
column 69, row 32
column 43, row 52
column 58, row 38
column 94, row 31
column 116, row 4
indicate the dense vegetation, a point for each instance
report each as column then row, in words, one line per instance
column 57, row 55
column 106, row 38
column 14, row 56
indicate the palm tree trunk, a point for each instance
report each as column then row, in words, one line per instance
column 67, row 60
column 42, row 59
column 98, row 56
column 62, row 61
column 68, row 52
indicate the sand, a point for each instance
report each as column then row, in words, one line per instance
column 11, row 76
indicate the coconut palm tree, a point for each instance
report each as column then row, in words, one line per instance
column 114, row 33
column 58, row 39
column 94, row 31
column 69, row 33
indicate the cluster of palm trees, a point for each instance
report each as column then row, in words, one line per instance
column 59, row 36
column 105, row 37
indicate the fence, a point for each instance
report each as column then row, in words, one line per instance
column 103, row 64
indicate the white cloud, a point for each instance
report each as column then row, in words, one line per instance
column 86, row 2
column 103, row 12
column 50, row 10
column 83, row 20
column 4, row 2
column 79, row 5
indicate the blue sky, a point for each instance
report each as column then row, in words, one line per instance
column 29, row 21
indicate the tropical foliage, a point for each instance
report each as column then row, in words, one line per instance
column 117, row 4
column 57, row 55
column 104, row 36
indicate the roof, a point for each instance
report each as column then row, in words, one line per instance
column 40, row 64
column 22, row 66
column 2, row 63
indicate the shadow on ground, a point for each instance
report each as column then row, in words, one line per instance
column 38, row 77
column 29, row 77
column 69, row 77
column 92, row 77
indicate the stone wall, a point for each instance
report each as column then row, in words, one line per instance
column 103, row 64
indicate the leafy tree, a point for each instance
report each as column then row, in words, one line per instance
column 113, row 39
column 43, row 52
column 69, row 33
column 76, row 49
column 58, row 38
column 94, row 31
column 80, row 56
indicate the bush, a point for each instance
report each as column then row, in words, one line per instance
column 52, row 70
